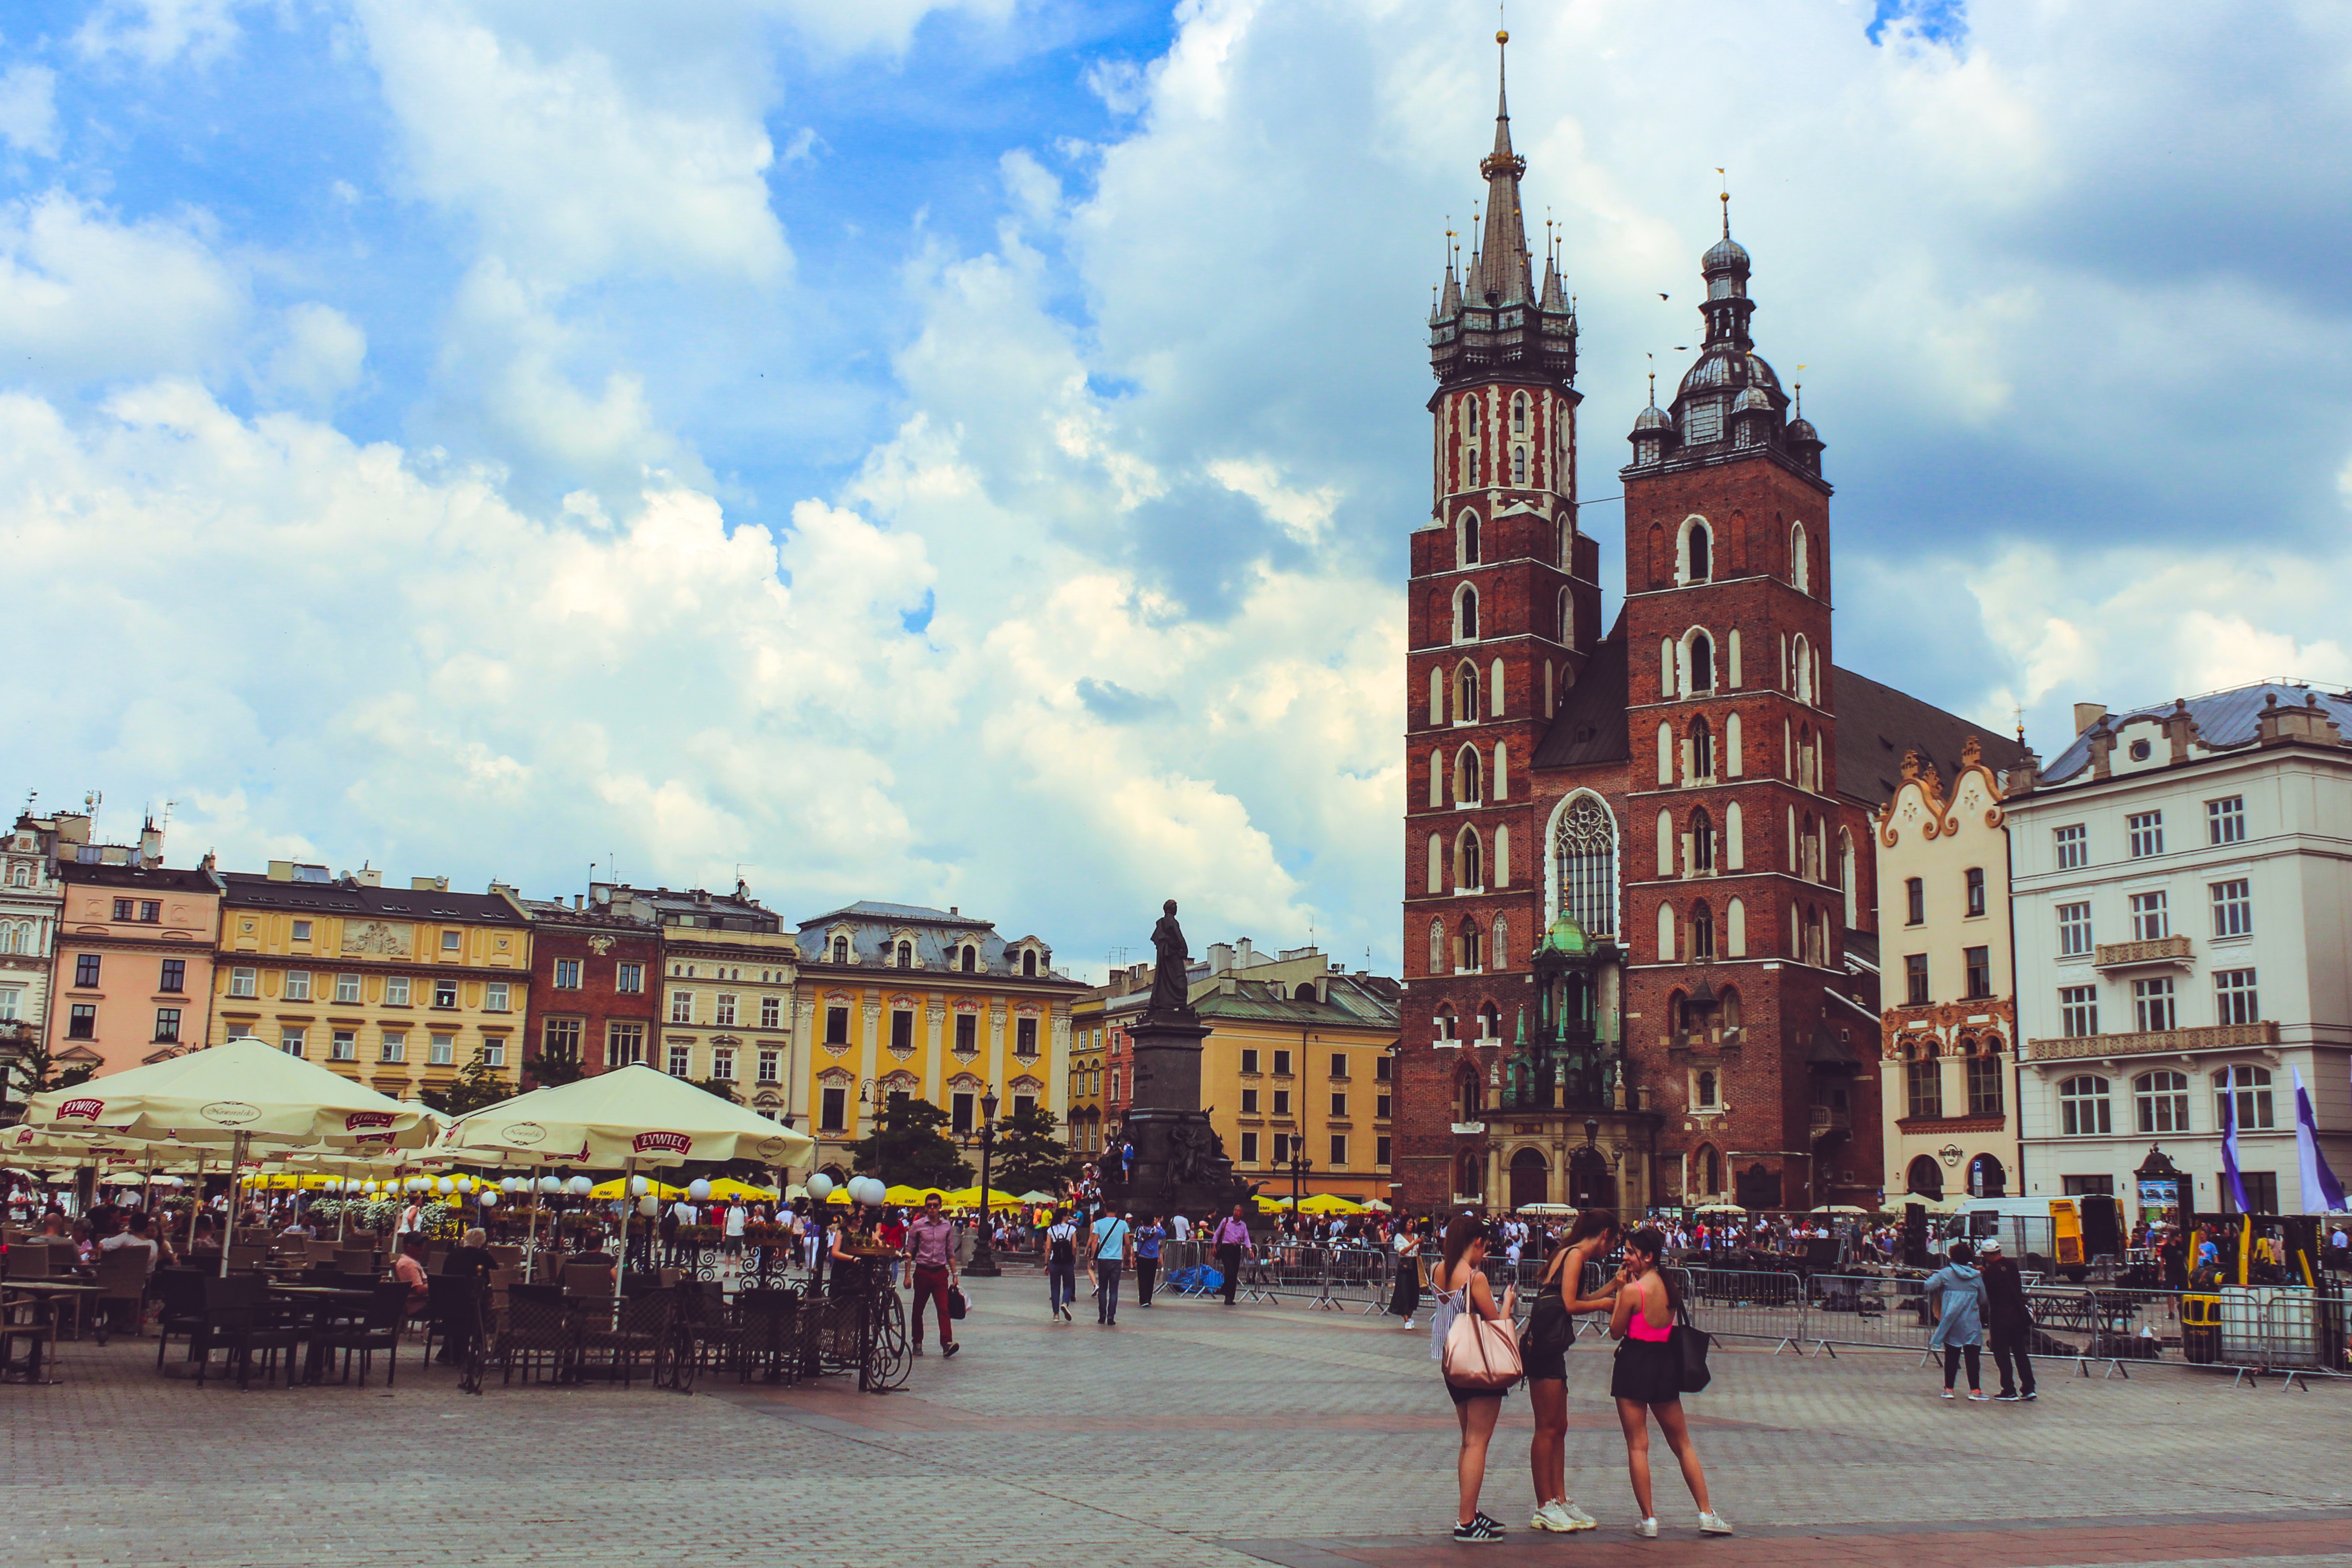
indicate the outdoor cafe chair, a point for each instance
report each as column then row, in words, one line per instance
column 587, row 1279
column 537, row 1332
column 182, row 1293
column 357, row 1260
column 236, row 1317
column 769, row 1325
column 378, row 1329
column 450, row 1314
column 618, row 1339
column 322, row 1252
column 122, row 1279
column 22, row 1323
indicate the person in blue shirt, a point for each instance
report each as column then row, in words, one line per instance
column 1114, row 1239
column 1149, row 1234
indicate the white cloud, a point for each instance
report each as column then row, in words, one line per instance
column 28, row 110
column 86, row 297
column 319, row 354
column 570, row 169
column 158, row 32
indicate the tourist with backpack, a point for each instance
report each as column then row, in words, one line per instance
column 1061, row 1265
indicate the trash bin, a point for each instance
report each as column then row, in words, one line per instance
column 2200, row 1329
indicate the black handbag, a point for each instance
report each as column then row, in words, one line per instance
column 958, row 1305
column 1690, row 1346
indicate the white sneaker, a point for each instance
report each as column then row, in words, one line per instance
column 1577, row 1517
column 1714, row 1524
column 1549, row 1516
column 1647, row 1530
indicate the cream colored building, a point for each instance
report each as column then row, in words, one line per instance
column 1949, row 1029
column 400, row 988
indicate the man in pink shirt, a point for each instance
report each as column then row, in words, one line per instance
column 932, row 1244
column 1233, row 1236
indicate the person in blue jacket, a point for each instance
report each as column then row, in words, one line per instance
column 1956, row 1292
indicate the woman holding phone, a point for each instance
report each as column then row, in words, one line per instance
column 1647, row 1378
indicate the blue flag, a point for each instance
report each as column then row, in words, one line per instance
column 2230, row 1179
column 2322, row 1193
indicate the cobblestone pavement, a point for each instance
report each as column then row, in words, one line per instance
column 1189, row 1434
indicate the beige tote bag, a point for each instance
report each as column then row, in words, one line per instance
column 1480, row 1352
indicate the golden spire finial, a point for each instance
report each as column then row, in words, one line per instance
column 1726, row 199
column 1799, row 388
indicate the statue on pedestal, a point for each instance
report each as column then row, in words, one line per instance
column 1170, row 983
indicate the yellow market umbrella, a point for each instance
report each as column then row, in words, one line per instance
column 616, row 1188
column 970, row 1197
column 728, row 1187
column 1271, row 1205
column 1329, row 1203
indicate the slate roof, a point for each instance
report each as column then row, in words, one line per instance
column 1876, row 725
column 251, row 890
column 1589, row 724
column 2225, row 719
column 99, row 873
column 873, row 927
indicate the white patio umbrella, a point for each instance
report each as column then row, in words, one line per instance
column 234, row 1094
column 632, row 1116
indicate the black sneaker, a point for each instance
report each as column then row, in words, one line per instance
column 1482, row 1516
column 1480, row 1529
column 949, row 1349
column 2029, row 1394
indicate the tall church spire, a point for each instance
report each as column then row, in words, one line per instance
column 1505, row 275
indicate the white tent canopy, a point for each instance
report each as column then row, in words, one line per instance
column 631, row 1115
column 239, row 1090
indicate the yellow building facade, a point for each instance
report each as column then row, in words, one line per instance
column 400, row 988
column 1087, row 1035
column 930, row 1003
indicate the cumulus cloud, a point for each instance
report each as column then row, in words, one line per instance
column 318, row 354
column 28, row 110
column 85, row 297
column 158, row 31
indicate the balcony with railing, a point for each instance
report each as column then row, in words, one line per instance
column 2155, row 952
column 2158, row 1042
column 1828, row 1119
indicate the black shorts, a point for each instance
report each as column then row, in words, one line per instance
column 1551, row 1331
column 1461, row 1396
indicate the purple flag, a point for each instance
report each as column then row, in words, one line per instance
column 2231, row 1180
column 2322, row 1193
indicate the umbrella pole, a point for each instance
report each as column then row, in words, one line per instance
column 228, row 1231
column 628, row 1206
column 530, row 1243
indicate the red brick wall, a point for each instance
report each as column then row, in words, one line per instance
column 595, row 1003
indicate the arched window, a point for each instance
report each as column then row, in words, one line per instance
column 1727, row 1006
column 2253, row 1096
column 1922, row 1083
column 2083, row 1110
column 1445, row 1026
column 1982, row 1072
column 1804, row 671
column 1800, row 572
column 1466, row 694
column 1466, row 614
column 1436, row 779
column 1708, row 1164
column 971, row 960
column 1495, row 691
column 1436, row 863
column 1735, row 929
column 1469, row 861
column 1499, row 941
column 906, row 955
column 1849, row 878
column 1518, row 413
column 1698, row 554
column 1666, row 842
column 1470, row 416
column 1702, row 840
column 1987, row 1178
column 1519, row 465
column 1465, row 539
column 1732, row 659
column 1029, row 962
column 841, row 949
column 1470, row 465
column 1699, row 661
column 1467, row 1097
column 1925, row 1178
column 1702, row 749
column 1666, row 752
column 2161, row 1100
column 1437, row 946
column 1584, row 853
column 1665, row 932
column 21, row 875
column 1468, row 790
column 1502, row 867
column 1502, row 771
column 1705, row 1100
column 1567, row 621
column 1470, row 952
column 1734, row 847
column 1702, row 930
column 1490, row 1022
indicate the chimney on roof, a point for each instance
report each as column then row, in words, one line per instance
column 953, row 909
column 1244, row 957
column 1221, row 957
column 281, row 871
column 151, row 844
column 368, row 876
column 576, row 899
column 2088, row 713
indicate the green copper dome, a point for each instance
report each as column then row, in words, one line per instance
column 1567, row 936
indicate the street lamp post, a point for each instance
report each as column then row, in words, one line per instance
column 983, row 1257
column 1300, row 1165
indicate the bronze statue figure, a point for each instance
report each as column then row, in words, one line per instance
column 1170, row 991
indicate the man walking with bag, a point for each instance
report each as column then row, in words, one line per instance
column 1112, row 1238
column 1233, row 1235
column 930, row 1243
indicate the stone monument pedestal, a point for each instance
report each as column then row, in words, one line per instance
column 1179, row 1162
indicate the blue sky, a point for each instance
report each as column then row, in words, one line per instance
column 963, row 450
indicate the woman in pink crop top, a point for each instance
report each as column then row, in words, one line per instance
column 1647, row 1378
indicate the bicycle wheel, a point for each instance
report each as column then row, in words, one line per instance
column 889, row 1357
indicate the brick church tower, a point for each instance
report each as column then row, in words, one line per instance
column 1505, row 601
column 1742, row 871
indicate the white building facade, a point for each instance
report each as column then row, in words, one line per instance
column 31, row 899
column 2181, row 880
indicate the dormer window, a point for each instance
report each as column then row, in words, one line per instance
column 1702, row 423
column 906, row 955
column 841, row 949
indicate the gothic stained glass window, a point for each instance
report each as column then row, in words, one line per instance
column 1586, row 852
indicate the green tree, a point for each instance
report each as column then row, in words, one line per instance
column 718, row 1086
column 1028, row 1156
column 907, row 1147
column 476, row 1087
column 552, row 1069
column 34, row 1070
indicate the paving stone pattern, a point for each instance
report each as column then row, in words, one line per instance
column 1189, row 1434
